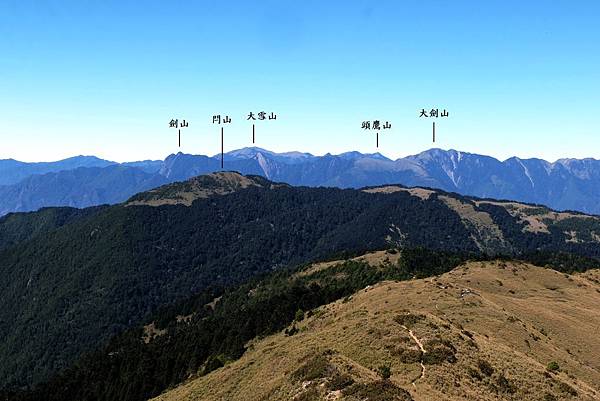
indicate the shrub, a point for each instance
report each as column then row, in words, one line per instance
column 385, row 372
column 565, row 388
column 474, row 373
column 438, row 356
column 383, row 390
column 467, row 333
column 408, row 319
column 439, row 351
column 340, row 381
column 485, row 367
column 299, row 315
column 291, row 331
column 409, row 355
column 213, row 363
column 553, row 366
column 504, row 385
column 316, row 367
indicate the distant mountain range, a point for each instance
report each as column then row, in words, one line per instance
column 567, row 184
column 14, row 171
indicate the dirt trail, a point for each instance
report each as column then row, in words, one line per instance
column 420, row 345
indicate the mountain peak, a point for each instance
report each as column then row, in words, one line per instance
column 253, row 152
column 248, row 152
column 204, row 186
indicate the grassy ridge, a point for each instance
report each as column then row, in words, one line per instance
column 132, row 369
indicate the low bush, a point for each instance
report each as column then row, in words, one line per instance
column 408, row 319
column 566, row 389
column 553, row 366
column 340, row 381
column 485, row 367
column 408, row 355
column 385, row 372
column 317, row 367
column 383, row 390
column 438, row 352
column 504, row 385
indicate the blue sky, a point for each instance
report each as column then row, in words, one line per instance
column 104, row 78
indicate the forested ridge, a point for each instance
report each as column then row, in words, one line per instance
column 19, row 227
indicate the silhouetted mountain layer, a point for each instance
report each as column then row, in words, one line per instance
column 13, row 171
column 567, row 184
column 81, row 187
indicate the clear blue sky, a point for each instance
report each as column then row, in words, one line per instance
column 104, row 78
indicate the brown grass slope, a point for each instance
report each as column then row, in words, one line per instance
column 204, row 186
column 488, row 331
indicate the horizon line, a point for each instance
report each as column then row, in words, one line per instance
column 308, row 154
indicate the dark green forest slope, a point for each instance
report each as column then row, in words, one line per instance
column 19, row 227
column 87, row 277
column 131, row 369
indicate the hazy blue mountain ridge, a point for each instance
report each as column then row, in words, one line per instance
column 567, row 184
column 13, row 171
column 80, row 187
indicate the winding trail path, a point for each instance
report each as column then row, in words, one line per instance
column 420, row 345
